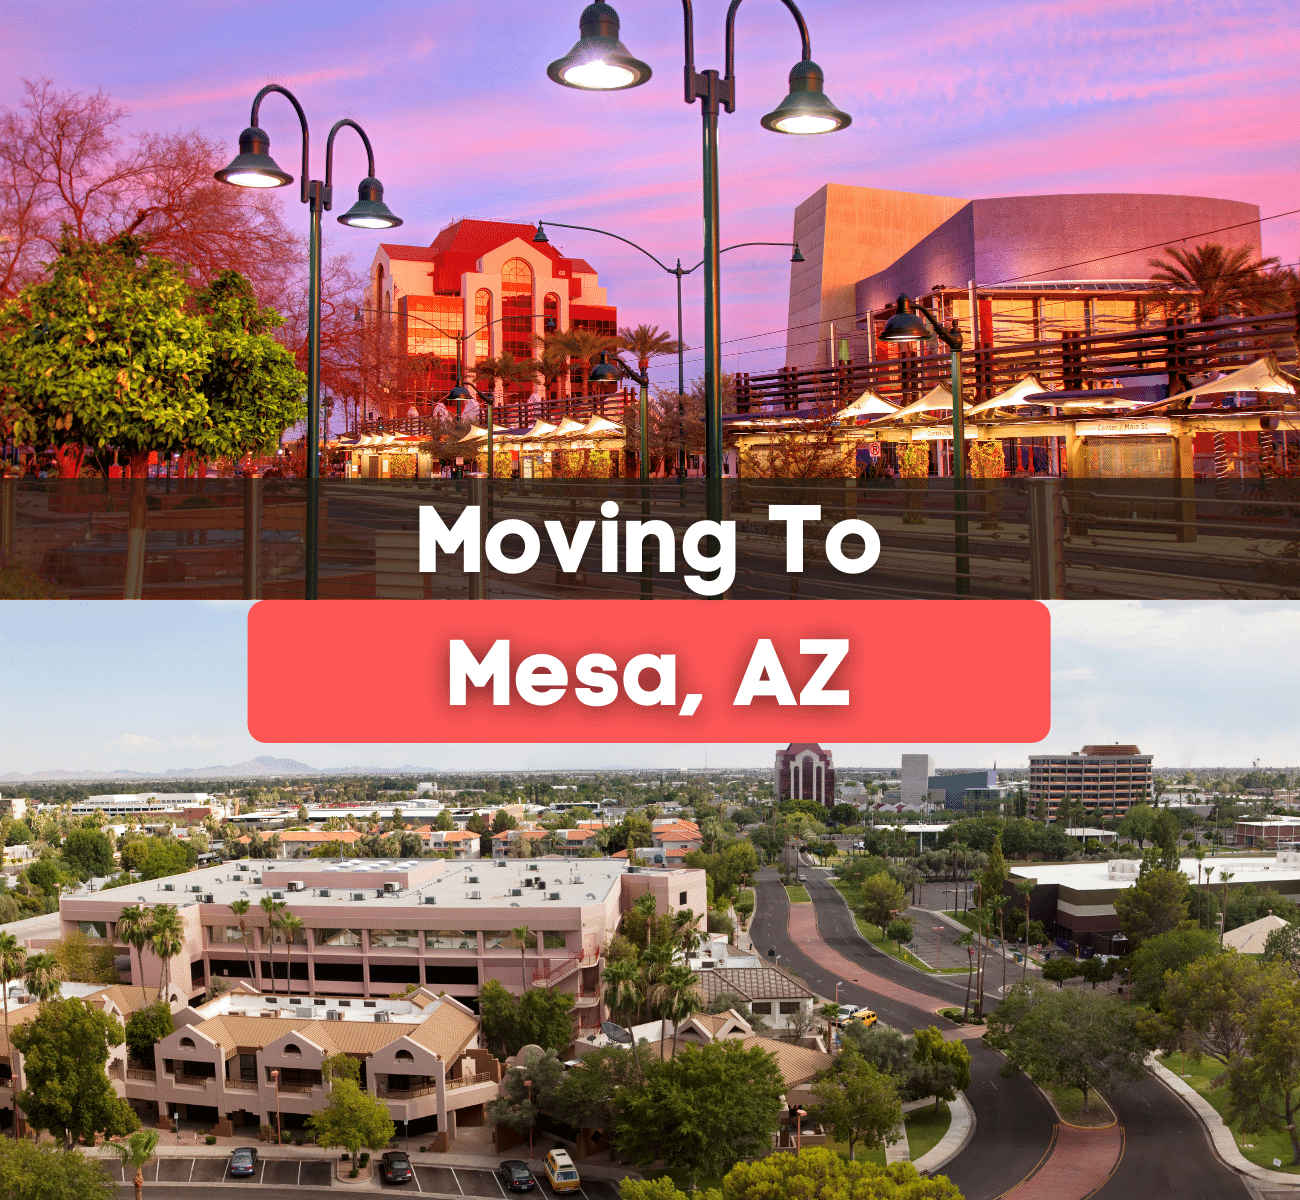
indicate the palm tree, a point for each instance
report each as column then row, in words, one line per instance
column 13, row 955
column 831, row 1012
column 133, row 931
column 521, row 935
column 1024, row 887
column 506, row 368
column 581, row 346
column 678, row 995
column 42, row 974
column 623, row 997
column 272, row 908
column 166, row 940
column 240, row 909
column 1228, row 280
column 135, row 1152
column 655, row 961
column 646, row 342
column 686, row 930
column 290, row 924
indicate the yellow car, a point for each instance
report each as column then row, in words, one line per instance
column 561, row 1174
column 864, row 1017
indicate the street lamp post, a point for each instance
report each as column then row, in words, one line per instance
column 678, row 271
column 906, row 326
column 253, row 167
column 279, row 1134
column 600, row 62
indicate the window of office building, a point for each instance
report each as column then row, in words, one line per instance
column 93, row 929
column 222, row 935
column 554, row 940
column 482, row 323
column 450, row 939
column 517, row 311
column 395, row 939
column 336, row 937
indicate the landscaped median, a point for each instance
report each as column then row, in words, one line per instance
column 873, row 934
column 797, row 893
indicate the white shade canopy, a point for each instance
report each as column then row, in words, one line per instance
column 1263, row 375
column 540, row 429
column 938, row 397
column 598, row 425
column 474, row 434
column 1018, row 393
column 867, row 405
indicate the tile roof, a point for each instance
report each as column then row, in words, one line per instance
column 127, row 998
column 413, row 253
column 750, row 983
column 17, row 1016
column 798, row 1064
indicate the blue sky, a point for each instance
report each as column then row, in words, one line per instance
column 985, row 98
column 95, row 685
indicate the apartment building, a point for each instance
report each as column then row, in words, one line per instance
column 1108, row 780
column 373, row 926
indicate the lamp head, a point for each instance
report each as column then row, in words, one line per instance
column 904, row 325
column 806, row 109
column 460, row 393
column 540, row 236
column 370, row 211
column 605, row 371
column 551, row 324
column 253, row 166
column 598, row 61
column 796, row 256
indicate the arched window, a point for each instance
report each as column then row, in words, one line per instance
column 482, row 321
column 292, row 1049
column 517, row 313
column 404, row 1056
column 187, row 1043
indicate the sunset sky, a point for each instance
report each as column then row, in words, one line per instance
column 980, row 99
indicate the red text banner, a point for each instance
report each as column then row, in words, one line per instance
column 628, row 671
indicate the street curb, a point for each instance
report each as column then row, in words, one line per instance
column 960, row 1131
column 1225, row 1146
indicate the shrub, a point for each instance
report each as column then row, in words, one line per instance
column 352, row 1174
column 365, row 1157
column 265, row 1133
column 211, row 1141
column 285, row 1137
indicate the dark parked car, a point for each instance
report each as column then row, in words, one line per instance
column 395, row 1167
column 243, row 1161
column 515, row 1176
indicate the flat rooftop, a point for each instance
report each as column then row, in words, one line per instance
column 252, row 1004
column 399, row 882
column 1096, row 876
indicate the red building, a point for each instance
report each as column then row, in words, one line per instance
column 804, row 771
column 488, row 279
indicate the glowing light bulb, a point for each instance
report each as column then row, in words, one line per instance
column 598, row 76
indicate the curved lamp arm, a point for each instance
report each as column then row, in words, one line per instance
column 950, row 337
column 302, row 120
column 731, row 36
column 737, row 246
column 591, row 229
column 329, row 156
column 635, row 376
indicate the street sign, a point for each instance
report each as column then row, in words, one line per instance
column 873, row 449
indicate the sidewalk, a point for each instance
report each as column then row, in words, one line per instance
column 1225, row 1145
column 960, row 1131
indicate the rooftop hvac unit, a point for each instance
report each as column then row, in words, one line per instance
column 501, row 863
column 324, row 891
column 473, row 895
column 390, row 886
column 381, row 1018
column 473, row 879
column 277, row 895
column 333, row 1014
column 358, row 895
column 207, row 898
column 431, row 899
column 196, row 887
column 516, row 891
column 553, row 896
column 257, row 879
column 303, row 1012
column 169, row 887
column 237, row 878
column 528, row 882
column 295, row 885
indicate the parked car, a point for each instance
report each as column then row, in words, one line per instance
column 864, row 1017
column 801, row 877
column 847, row 1010
column 243, row 1161
column 395, row 1167
column 561, row 1174
column 515, row 1176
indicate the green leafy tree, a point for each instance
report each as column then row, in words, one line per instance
column 1283, row 946
column 145, row 1028
column 820, row 1173
column 45, row 1172
column 89, row 852
column 1156, row 904
column 13, row 960
column 899, row 931
column 352, row 1119
column 1078, row 1038
column 1138, row 823
column 527, row 1090
column 714, row 1105
column 64, row 1048
column 341, row 1066
column 940, row 1068
column 1167, row 952
column 1097, row 969
column 881, row 897
column 546, row 1018
column 592, row 1093
column 857, row 1103
column 166, row 858
column 83, row 959
column 1206, row 1003
column 1058, row 970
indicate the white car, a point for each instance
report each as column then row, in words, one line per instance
column 847, row 1010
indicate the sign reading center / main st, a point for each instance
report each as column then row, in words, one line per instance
column 664, row 671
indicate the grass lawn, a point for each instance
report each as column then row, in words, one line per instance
column 873, row 935
column 1261, row 1148
column 1069, row 1103
column 797, row 894
column 925, row 1127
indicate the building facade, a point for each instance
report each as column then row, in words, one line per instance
column 914, row 787
column 804, row 771
column 372, row 926
column 1107, row 780
column 489, row 283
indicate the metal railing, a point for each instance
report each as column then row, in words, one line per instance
column 469, row 1080
column 247, row 1085
column 142, row 1073
column 387, row 1093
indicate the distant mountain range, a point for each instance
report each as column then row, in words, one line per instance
column 263, row 765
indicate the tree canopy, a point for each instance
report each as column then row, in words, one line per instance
column 352, row 1119
column 1156, row 904
column 44, row 1172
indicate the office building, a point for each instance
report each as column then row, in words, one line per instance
column 1107, row 780
column 804, row 771
column 914, row 789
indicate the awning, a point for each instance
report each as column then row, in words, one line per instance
column 1263, row 375
column 867, row 405
column 598, row 425
column 1018, row 393
column 939, row 396
column 475, row 434
column 539, row 429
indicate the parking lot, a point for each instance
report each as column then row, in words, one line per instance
column 317, row 1172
